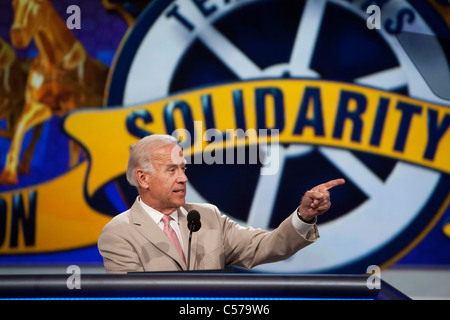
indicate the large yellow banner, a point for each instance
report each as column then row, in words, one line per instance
column 51, row 216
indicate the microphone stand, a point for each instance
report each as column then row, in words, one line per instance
column 189, row 247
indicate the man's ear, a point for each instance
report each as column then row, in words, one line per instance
column 142, row 177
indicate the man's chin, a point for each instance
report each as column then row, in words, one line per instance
column 180, row 202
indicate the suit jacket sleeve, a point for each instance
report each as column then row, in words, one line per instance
column 249, row 247
column 119, row 255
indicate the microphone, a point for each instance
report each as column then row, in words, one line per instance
column 194, row 224
column 193, row 219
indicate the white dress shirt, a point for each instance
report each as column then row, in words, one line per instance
column 158, row 218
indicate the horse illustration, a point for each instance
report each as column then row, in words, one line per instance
column 13, row 73
column 61, row 78
column 13, row 77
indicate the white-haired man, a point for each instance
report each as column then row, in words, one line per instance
column 153, row 234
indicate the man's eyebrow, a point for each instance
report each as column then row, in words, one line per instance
column 173, row 165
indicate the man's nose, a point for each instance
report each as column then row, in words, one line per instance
column 182, row 177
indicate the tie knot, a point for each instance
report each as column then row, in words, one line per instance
column 166, row 220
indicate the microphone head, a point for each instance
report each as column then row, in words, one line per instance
column 193, row 218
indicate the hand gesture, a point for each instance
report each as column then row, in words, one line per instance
column 317, row 200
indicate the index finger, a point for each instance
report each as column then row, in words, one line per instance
column 333, row 183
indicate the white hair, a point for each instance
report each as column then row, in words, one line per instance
column 141, row 154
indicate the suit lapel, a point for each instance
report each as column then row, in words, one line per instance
column 148, row 228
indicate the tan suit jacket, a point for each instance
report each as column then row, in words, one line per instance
column 132, row 241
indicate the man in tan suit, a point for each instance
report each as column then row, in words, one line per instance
column 135, row 240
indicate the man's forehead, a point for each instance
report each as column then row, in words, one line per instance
column 169, row 154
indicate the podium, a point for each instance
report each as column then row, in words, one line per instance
column 196, row 285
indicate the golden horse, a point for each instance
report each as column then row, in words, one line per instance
column 13, row 73
column 61, row 78
column 13, row 77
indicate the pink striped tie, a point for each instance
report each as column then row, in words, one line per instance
column 172, row 235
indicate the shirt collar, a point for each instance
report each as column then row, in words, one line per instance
column 155, row 214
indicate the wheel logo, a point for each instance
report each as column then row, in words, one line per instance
column 387, row 205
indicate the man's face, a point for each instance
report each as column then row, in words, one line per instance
column 167, row 184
